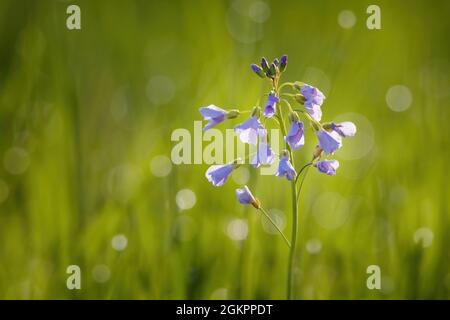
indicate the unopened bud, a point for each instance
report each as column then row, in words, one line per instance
column 237, row 163
column 232, row 114
column 273, row 71
column 285, row 153
column 300, row 98
column 276, row 62
column 283, row 62
column 258, row 70
column 293, row 116
column 317, row 153
column 256, row 203
column 265, row 65
column 327, row 126
column 298, row 85
column 256, row 112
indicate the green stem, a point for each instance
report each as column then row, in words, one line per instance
column 290, row 280
column 275, row 225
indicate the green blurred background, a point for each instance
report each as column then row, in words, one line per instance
column 86, row 118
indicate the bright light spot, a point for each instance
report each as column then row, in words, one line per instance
column 278, row 217
column 313, row 246
column 119, row 242
column 160, row 90
column 220, row 294
column 160, row 166
column 241, row 176
column 185, row 199
column 101, row 273
column 4, row 191
column 331, row 210
column 16, row 160
column 259, row 11
column 399, row 98
column 423, row 236
column 237, row 229
column 346, row 19
column 241, row 23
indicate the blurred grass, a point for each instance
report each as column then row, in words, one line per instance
column 82, row 117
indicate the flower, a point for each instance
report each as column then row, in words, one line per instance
column 218, row 174
column 313, row 100
column 264, row 156
column 285, row 168
column 295, row 136
column 344, row 129
column 250, row 129
column 245, row 196
column 329, row 141
column 328, row 166
column 213, row 114
column 271, row 104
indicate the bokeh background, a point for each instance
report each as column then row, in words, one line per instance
column 86, row 118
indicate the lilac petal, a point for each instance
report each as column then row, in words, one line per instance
column 270, row 108
column 295, row 136
column 244, row 195
column 313, row 110
column 212, row 111
column 329, row 141
column 286, row 169
column 328, row 166
column 214, row 114
column 218, row 174
column 249, row 130
column 264, row 156
column 345, row 129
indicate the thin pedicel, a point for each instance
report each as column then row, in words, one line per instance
column 252, row 131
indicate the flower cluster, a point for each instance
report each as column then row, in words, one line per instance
column 309, row 102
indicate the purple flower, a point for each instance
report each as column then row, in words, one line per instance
column 295, row 136
column 328, row 166
column 218, row 174
column 245, row 196
column 249, row 130
column 271, row 104
column 213, row 114
column 345, row 129
column 283, row 62
column 264, row 156
column 286, row 169
column 313, row 100
column 329, row 141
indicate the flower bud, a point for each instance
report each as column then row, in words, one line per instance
column 265, row 65
column 298, row 85
column 237, row 163
column 317, row 153
column 256, row 112
column 285, row 153
column 327, row 126
column 300, row 98
column 232, row 114
column 258, row 70
column 283, row 62
column 273, row 71
column 293, row 116
column 276, row 62
column 256, row 203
